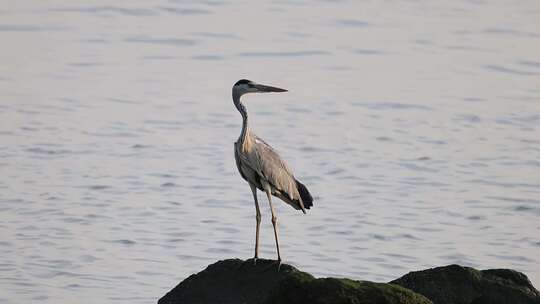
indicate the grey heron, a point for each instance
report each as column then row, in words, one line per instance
column 262, row 167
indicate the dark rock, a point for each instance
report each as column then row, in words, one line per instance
column 229, row 281
column 236, row 282
column 297, row 289
column 455, row 284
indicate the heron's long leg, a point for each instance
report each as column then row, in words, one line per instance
column 258, row 218
column 274, row 221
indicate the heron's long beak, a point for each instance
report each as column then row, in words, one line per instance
column 263, row 89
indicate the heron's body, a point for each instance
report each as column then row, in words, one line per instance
column 258, row 164
column 262, row 167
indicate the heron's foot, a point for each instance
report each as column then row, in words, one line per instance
column 248, row 262
column 272, row 265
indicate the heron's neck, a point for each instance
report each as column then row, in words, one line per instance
column 242, row 109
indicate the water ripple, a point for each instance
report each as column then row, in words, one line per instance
column 510, row 32
column 353, row 23
column 107, row 10
column 506, row 70
column 165, row 41
column 184, row 11
column 217, row 35
column 285, row 54
column 31, row 28
column 207, row 57
column 369, row 51
column 385, row 105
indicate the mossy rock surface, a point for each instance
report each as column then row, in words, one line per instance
column 456, row 284
column 237, row 282
column 295, row 290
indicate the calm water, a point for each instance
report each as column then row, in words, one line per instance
column 415, row 124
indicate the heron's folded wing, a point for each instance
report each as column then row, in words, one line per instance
column 275, row 170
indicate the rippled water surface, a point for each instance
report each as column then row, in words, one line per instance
column 415, row 124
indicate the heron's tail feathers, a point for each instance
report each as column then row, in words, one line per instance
column 305, row 195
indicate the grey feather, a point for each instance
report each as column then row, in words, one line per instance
column 257, row 161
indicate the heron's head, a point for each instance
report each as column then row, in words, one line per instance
column 245, row 86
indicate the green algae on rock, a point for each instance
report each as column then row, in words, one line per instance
column 341, row 291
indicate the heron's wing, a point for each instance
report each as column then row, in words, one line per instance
column 274, row 169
